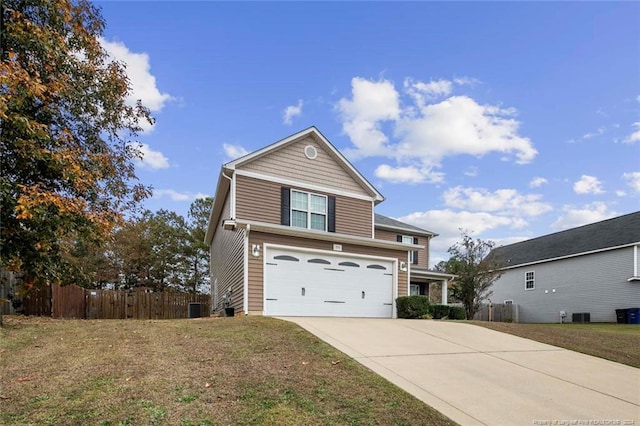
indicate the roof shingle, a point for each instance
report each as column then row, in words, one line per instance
column 608, row 233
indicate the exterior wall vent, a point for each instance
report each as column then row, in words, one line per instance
column 581, row 317
column 310, row 152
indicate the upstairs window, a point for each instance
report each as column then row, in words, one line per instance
column 308, row 210
column 529, row 280
column 406, row 239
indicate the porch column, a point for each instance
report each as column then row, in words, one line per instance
column 444, row 292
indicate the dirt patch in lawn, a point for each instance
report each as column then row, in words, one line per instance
column 205, row 371
column 615, row 342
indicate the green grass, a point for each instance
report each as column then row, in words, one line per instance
column 208, row 371
column 615, row 342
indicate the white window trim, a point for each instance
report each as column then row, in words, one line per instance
column 309, row 212
column 533, row 280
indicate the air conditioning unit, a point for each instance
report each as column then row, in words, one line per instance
column 195, row 310
column 581, row 317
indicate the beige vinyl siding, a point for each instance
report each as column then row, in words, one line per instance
column 289, row 162
column 259, row 200
column 227, row 264
column 423, row 254
column 256, row 265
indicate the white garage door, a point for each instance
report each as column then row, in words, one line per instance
column 299, row 283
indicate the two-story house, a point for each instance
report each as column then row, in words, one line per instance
column 293, row 232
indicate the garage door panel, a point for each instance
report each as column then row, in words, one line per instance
column 326, row 284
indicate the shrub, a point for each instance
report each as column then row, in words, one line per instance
column 457, row 313
column 440, row 311
column 412, row 306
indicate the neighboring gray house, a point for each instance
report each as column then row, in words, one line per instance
column 592, row 269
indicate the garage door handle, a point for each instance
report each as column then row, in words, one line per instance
column 303, row 291
column 363, row 294
column 333, row 301
column 271, row 299
column 388, row 304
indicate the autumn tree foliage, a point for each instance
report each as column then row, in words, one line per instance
column 66, row 133
column 476, row 271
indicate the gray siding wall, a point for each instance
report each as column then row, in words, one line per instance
column 227, row 264
column 595, row 283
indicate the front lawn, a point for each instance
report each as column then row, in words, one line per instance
column 615, row 342
column 205, row 371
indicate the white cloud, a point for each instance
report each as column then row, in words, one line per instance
column 371, row 103
column 578, row 216
column 409, row 174
column 174, row 195
column 421, row 92
column 537, row 182
column 424, row 132
column 633, row 180
column 151, row 159
column 459, row 125
column 292, row 111
column 138, row 68
column 234, row 151
column 504, row 201
column 635, row 136
column 471, row 172
column 598, row 132
column 466, row 81
column 588, row 185
column 621, row 193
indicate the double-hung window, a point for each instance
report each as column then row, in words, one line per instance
column 406, row 239
column 308, row 210
column 529, row 280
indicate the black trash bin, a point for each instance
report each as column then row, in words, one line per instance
column 622, row 316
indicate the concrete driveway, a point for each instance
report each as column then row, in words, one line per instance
column 478, row 376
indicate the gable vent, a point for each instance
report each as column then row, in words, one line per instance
column 310, row 152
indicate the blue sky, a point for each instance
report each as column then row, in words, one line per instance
column 510, row 120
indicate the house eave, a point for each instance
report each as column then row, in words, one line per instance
column 428, row 274
column 270, row 228
column 222, row 189
column 314, row 132
column 424, row 233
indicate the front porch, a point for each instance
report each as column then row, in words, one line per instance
column 434, row 285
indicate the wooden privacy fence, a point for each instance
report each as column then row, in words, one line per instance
column 76, row 302
column 497, row 312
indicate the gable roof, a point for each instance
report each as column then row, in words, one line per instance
column 384, row 222
column 610, row 233
column 318, row 137
column 227, row 170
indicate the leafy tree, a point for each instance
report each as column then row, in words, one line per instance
column 196, row 250
column 476, row 272
column 66, row 150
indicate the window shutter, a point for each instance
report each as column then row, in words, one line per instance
column 285, row 206
column 399, row 238
column 331, row 213
column 415, row 253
